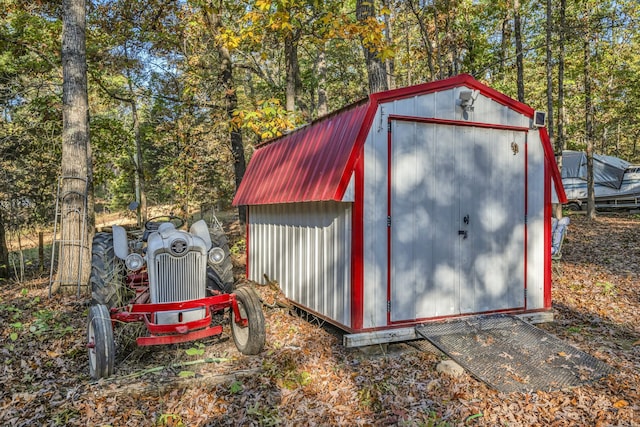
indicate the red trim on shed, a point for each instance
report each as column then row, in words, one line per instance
column 547, row 232
column 357, row 247
column 457, row 123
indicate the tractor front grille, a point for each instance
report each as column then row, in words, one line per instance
column 178, row 278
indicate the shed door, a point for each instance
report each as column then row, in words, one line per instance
column 457, row 207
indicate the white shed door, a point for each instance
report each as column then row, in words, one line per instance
column 457, row 228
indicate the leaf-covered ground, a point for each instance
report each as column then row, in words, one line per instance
column 305, row 377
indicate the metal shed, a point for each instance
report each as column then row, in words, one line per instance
column 416, row 204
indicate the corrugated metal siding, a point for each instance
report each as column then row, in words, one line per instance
column 310, row 164
column 306, row 248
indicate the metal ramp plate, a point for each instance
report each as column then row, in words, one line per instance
column 512, row 355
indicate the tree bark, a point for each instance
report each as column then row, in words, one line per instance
column 74, row 263
column 519, row 53
column 557, row 207
column 549, row 69
column 4, row 250
column 424, row 35
column 505, row 38
column 293, row 83
column 560, row 139
column 588, row 107
column 231, row 104
column 365, row 9
column 390, row 64
column 141, row 195
column 323, row 107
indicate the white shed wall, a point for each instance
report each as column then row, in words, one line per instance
column 439, row 105
column 306, row 248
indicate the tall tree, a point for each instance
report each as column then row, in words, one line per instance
column 424, row 34
column 560, row 137
column 214, row 24
column 549, row 67
column 588, row 109
column 74, row 263
column 4, row 251
column 376, row 70
column 517, row 30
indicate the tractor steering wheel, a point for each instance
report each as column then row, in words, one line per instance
column 153, row 223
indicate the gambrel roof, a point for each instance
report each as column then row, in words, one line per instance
column 316, row 162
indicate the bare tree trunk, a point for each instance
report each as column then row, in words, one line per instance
column 519, row 54
column 141, row 195
column 323, row 107
column 557, row 208
column 4, row 250
column 74, row 264
column 231, row 104
column 424, row 35
column 389, row 63
column 504, row 40
column 450, row 37
column 560, row 144
column 549, row 69
column 438, row 46
column 293, row 83
column 588, row 107
column 365, row 9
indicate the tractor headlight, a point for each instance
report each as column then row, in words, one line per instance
column 216, row 255
column 134, row 262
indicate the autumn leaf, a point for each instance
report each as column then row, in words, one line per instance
column 621, row 404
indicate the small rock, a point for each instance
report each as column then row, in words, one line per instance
column 450, row 367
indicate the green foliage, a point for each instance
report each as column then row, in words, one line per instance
column 236, row 387
column 607, row 288
column 197, row 350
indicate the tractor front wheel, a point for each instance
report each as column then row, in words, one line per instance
column 248, row 339
column 100, row 343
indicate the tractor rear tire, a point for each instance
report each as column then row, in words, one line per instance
column 220, row 276
column 251, row 338
column 101, row 345
column 107, row 272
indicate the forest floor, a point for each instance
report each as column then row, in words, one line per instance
column 306, row 377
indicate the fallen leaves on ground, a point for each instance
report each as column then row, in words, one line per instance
column 306, row 377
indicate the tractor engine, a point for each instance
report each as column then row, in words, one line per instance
column 177, row 268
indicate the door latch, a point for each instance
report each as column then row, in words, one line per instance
column 466, row 219
column 462, row 233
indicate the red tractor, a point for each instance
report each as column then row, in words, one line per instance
column 172, row 280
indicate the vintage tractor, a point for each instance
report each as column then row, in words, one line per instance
column 174, row 281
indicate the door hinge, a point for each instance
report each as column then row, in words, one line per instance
column 388, row 221
column 525, row 220
column 388, row 306
column 389, row 127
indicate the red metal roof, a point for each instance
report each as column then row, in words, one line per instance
column 315, row 163
column 309, row 164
